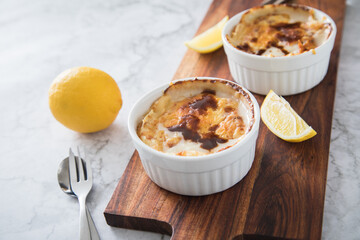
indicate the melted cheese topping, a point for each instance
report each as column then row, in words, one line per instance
column 197, row 125
column 279, row 30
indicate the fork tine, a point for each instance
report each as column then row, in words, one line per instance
column 279, row 2
column 84, row 164
column 78, row 149
column 72, row 167
column 81, row 169
column 88, row 168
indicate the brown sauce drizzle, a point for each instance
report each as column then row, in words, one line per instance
column 201, row 105
column 244, row 47
column 229, row 109
column 211, row 140
column 288, row 32
column 282, row 25
column 189, row 124
column 188, row 127
column 209, row 91
column 261, row 51
column 276, row 45
column 254, row 39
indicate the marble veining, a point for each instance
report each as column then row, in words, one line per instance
column 140, row 44
column 342, row 201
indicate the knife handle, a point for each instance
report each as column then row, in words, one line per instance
column 93, row 231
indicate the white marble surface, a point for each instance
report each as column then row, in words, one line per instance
column 140, row 44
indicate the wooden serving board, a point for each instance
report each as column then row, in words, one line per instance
column 282, row 196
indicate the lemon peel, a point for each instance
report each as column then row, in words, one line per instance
column 283, row 121
column 85, row 99
column 210, row 40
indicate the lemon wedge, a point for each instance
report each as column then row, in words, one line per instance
column 210, row 40
column 283, row 121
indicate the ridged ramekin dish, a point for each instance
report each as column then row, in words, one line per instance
column 194, row 175
column 286, row 75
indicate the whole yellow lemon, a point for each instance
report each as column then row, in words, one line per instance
column 85, row 99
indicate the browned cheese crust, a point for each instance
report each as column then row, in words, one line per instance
column 202, row 117
column 287, row 29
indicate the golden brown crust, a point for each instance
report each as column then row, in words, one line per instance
column 209, row 113
column 279, row 30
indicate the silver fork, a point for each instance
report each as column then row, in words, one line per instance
column 275, row 2
column 81, row 184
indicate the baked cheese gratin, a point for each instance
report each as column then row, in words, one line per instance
column 197, row 117
column 279, row 30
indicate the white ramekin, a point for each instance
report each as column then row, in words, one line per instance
column 284, row 75
column 199, row 175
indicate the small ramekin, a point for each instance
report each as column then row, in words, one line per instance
column 198, row 175
column 285, row 75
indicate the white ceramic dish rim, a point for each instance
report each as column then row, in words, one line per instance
column 132, row 126
column 236, row 18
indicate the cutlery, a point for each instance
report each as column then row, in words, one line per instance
column 81, row 183
column 275, row 2
column 64, row 183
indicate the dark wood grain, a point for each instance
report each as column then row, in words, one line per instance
column 282, row 196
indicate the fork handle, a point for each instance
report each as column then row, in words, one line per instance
column 84, row 224
column 93, row 231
